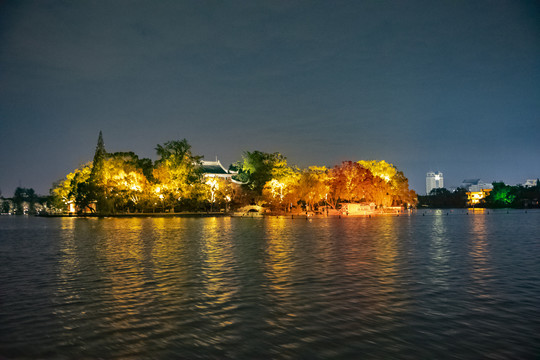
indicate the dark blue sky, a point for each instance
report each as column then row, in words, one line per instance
column 452, row 86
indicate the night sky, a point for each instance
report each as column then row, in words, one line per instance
column 452, row 86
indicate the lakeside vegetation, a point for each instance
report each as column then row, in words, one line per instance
column 122, row 182
column 501, row 196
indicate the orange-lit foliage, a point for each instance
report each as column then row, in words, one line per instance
column 349, row 182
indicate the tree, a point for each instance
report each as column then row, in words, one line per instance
column 94, row 190
column 349, row 182
column 257, row 168
column 99, row 158
column 22, row 196
column 313, row 185
column 443, row 198
column 279, row 190
column 5, row 207
column 124, row 181
column 74, row 188
column 398, row 192
column 178, row 173
column 379, row 192
column 501, row 195
column 220, row 192
column 381, row 169
column 401, row 194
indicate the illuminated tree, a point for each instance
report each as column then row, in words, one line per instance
column 501, row 195
column 379, row 192
column 73, row 189
column 178, row 172
column 401, row 193
column 220, row 192
column 381, row 169
column 349, row 182
column 280, row 189
column 124, row 181
column 313, row 185
column 257, row 168
column 395, row 191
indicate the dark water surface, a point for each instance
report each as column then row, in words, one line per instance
column 409, row 287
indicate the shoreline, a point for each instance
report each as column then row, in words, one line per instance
column 221, row 214
column 415, row 212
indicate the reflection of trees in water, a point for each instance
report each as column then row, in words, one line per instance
column 218, row 264
column 100, row 277
column 124, row 264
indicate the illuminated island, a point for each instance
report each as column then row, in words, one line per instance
column 180, row 182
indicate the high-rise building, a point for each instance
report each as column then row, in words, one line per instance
column 434, row 181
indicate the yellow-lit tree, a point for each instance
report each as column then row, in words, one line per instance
column 220, row 192
column 401, row 194
column 124, row 181
column 380, row 169
column 178, row 172
column 313, row 186
column 395, row 191
column 279, row 191
column 379, row 192
column 72, row 189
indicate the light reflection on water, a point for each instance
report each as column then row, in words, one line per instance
column 440, row 252
column 481, row 270
column 440, row 286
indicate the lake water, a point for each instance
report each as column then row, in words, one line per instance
column 433, row 286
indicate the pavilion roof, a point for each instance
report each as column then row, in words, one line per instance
column 213, row 167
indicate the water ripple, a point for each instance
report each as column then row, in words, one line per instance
column 413, row 287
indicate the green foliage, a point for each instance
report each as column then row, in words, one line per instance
column 517, row 196
column 99, row 158
column 257, row 168
column 502, row 195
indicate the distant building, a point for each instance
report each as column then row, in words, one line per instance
column 434, row 181
column 474, row 197
column 475, row 185
column 530, row 182
column 364, row 208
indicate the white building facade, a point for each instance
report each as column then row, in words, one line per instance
column 434, row 180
